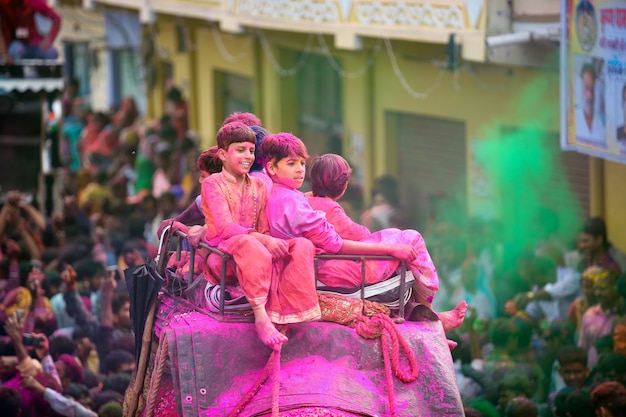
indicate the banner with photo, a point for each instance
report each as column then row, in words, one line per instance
column 593, row 78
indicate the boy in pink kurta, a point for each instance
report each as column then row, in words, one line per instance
column 275, row 275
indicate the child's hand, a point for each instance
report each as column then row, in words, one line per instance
column 195, row 235
column 406, row 253
column 277, row 247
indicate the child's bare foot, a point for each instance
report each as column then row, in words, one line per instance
column 267, row 332
column 453, row 318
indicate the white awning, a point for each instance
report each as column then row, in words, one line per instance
column 549, row 33
column 37, row 84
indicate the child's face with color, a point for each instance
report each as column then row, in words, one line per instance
column 288, row 171
column 238, row 158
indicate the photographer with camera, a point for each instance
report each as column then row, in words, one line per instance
column 29, row 369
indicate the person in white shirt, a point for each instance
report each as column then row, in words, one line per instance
column 554, row 290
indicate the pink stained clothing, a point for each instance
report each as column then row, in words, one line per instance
column 336, row 215
column 596, row 323
column 34, row 404
column 287, row 286
column 291, row 214
column 266, row 179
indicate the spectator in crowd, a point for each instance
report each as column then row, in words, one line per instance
column 578, row 404
column 20, row 37
column 573, row 368
column 609, row 399
column 554, row 290
column 598, row 320
column 588, row 298
column 521, row 407
column 597, row 249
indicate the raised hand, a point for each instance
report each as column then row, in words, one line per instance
column 13, row 327
column 69, row 276
column 109, row 284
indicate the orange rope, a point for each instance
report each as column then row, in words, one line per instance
column 272, row 367
column 155, row 382
column 380, row 325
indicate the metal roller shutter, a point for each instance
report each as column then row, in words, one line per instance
column 432, row 163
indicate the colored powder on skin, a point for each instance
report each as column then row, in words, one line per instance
column 526, row 166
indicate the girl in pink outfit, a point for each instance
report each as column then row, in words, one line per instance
column 330, row 175
column 291, row 214
column 275, row 275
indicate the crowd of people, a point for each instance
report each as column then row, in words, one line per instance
column 544, row 333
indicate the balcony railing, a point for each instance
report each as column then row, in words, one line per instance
column 411, row 20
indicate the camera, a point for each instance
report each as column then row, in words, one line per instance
column 30, row 340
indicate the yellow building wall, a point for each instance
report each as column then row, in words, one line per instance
column 615, row 203
column 490, row 97
column 235, row 54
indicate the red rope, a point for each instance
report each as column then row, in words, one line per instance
column 380, row 325
column 275, row 381
column 272, row 367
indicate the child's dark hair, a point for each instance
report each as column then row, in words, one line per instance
column 260, row 133
column 560, row 401
column 115, row 360
column 60, row 345
column 208, row 161
column 76, row 391
column 118, row 383
column 572, row 354
column 88, row 268
column 564, row 330
column 596, row 227
column 517, row 383
column 329, row 174
column 578, row 403
column 105, row 399
column 278, row 146
column 610, row 395
column 10, row 401
column 521, row 407
column 247, row 118
column 611, row 362
column 234, row 132
column 118, row 301
column 604, row 343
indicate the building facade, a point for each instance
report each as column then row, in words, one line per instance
column 457, row 99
